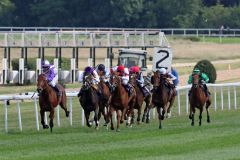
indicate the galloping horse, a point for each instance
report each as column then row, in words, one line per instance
column 198, row 99
column 120, row 101
column 89, row 100
column 48, row 100
column 160, row 97
column 104, row 99
column 139, row 98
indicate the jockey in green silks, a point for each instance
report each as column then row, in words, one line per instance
column 203, row 80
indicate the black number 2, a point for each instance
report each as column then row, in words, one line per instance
column 165, row 57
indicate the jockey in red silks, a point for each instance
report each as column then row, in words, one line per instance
column 140, row 80
column 124, row 74
column 49, row 71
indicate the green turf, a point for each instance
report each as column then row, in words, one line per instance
column 177, row 140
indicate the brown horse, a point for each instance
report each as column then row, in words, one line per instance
column 160, row 97
column 104, row 99
column 198, row 99
column 48, row 100
column 139, row 98
column 120, row 101
column 89, row 100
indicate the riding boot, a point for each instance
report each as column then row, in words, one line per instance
column 128, row 88
column 207, row 93
column 56, row 88
column 109, row 86
column 145, row 91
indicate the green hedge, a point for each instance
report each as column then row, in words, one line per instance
column 31, row 65
column 207, row 67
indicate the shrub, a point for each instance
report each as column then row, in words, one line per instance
column 207, row 67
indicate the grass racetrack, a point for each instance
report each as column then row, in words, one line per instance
column 177, row 140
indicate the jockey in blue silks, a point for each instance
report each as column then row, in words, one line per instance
column 49, row 71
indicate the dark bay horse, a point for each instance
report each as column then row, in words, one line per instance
column 104, row 99
column 120, row 101
column 198, row 99
column 160, row 97
column 89, row 100
column 48, row 100
column 139, row 98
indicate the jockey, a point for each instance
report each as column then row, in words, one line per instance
column 104, row 73
column 124, row 73
column 140, row 80
column 49, row 70
column 89, row 70
column 203, row 80
column 169, row 79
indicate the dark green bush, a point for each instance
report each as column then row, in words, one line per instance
column 31, row 63
column 207, row 67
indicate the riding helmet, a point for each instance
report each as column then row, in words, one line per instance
column 45, row 64
column 100, row 67
column 88, row 69
column 163, row 71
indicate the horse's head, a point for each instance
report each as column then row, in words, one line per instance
column 195, row 80
column 133, row 78
column 155, row 79
column 88, row 80
column 115, row 80
column 41, row 83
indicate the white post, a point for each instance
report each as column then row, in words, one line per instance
column 83, row 116
column 107, row 63
column 21, row 71
column 222, row 97
column 90, row 62
column 19, row 116
column 179, row 105
column 45, row 118
column 73, row 69
column 36, row 113
column 39, row 67
column 187, row 100
column 215, row 99
column 58, row 116
column 235, row 97
column 6, row 116
column 5, row 70
column 55, row 62
column 70, row 109
column 229, row 100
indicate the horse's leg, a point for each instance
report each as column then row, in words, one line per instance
column 64, row 106
column 139, row 115
column 144, row 114
column 110, row 113
column 42, row 112
column 96, row 115
column 170, row 106
column 200, row 116
column 51, row 116
column 118, row 120
column 159, row 117
column 123, row 114
column 87, row 114
column 193, row 112
column 133, row 116
column 208, row 103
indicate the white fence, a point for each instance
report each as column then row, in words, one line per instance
column 181, row 89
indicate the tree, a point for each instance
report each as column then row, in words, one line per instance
column 6, row 7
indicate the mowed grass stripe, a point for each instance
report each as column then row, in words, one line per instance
column 177, row 140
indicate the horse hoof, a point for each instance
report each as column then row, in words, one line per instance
column 190, row 117
column 67, row 114
column 162, row 118
column 45, row 126
column 121, row 121
column 118, row 130
column 208, row 120
column 147, row 121
column 51, row 129
column 160, row 127
column 97, row 128
column 112, row 128
column 143, row 119
column 192, row 124
column 105, row 124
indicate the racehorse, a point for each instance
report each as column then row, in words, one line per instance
column 104, row 99
column 89, row 100
column 139, row 98
column 120, row 101
column 160, row 97
column 198, row 99
column 48, row 100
